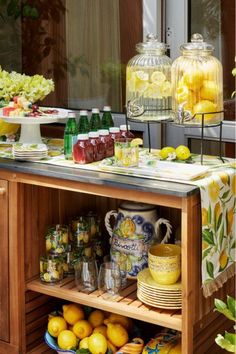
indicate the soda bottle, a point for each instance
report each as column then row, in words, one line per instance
column 114, row 133
column 107, row 120
column 99, row 148
column 83, row 122
column 70, row 133
column 108, row 141
column 95, row 121
column 126, row 133
column 83, row 150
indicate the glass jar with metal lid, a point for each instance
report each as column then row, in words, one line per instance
column 197, row 89
column 148, row 86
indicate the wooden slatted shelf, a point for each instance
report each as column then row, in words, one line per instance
column 42, row 349
column 127, row 303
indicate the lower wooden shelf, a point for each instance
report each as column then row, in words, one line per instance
column 127, row 304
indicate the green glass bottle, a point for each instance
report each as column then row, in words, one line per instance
column 83, row 122
column 70, row 133
column 107, row 120
column 95, row 121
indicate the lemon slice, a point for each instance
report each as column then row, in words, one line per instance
column 158, row 77
column 153, row 91
column 130, row 85
column 141, row 75
column 182, row 93
column 166, row 89
column 47, row 277
column 136, row 142
column 141, row 86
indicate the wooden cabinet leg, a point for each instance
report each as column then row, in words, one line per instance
column 16, row 267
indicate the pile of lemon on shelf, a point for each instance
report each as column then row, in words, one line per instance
column 99, row 332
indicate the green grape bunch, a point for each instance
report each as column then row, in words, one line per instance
column 33, row 88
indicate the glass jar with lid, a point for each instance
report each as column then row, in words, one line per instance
column 148, row 85
column 197, row 89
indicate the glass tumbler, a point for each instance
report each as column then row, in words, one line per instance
column 121, row 261
column 109, row 281
column 126, row 155
column 86, row 275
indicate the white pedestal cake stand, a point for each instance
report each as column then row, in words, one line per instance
column 30, row 126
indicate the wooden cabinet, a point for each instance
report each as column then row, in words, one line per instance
column 4, row 264
column 41, row 198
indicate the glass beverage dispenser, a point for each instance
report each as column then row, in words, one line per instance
column 197, row 84
column 148, row 86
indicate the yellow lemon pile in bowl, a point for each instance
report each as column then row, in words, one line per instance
column 98, row 332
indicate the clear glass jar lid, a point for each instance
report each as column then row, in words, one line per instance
column 151, row 45
column 197, row 44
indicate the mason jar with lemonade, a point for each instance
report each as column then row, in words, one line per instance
column 197, row 84
column 148, row 85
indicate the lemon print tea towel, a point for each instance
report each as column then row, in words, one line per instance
column 218, row 228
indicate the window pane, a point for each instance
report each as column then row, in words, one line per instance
column 83, row 45
column 215, row 20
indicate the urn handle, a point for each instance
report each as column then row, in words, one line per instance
column 107, row 221
column 168, row 229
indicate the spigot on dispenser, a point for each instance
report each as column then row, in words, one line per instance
column 183, row 115
column 134, row 110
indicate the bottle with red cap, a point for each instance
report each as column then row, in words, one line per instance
column 83, row 150
column 125, row 131
column 108, row 141
column 99, row 148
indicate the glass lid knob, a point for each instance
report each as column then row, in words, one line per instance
column 151, row 37
column 197, row 38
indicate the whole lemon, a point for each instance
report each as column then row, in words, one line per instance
column 166, row 151
column 97, row 343
column 193, row 79
column 117, row 334
column 101, row 329
column 182, row 152
column 96, row 318
column 82, row 329
column 83, row 344
column 205, row 106
column 126, row 322
column 67, row 340
column 72, row 313
column 209, row 90
column 56, row 325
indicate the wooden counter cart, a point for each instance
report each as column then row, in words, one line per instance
column 33, row 196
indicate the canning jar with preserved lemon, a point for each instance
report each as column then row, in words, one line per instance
column 197, row 89
column 148, row 85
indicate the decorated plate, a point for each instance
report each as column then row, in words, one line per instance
column 145, row 277
column 153, row 303
column 40, row 119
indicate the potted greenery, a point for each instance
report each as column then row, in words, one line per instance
column 228, row 341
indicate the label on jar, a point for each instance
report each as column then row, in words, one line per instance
column 132, row 247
